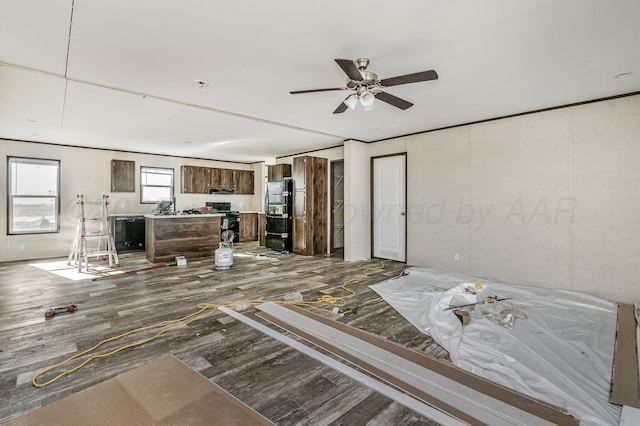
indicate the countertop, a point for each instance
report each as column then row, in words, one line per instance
column 182, row 216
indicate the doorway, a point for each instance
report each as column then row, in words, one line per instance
column 337, row 205
column 388, row 207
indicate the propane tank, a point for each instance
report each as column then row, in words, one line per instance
column 223, row 254
column 224, row 257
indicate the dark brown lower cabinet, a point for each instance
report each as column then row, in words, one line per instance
column 248, row 226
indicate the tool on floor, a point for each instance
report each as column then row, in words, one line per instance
column 490, row 299
column 52, row 312
column 133, row 271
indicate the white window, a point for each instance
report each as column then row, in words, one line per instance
column 33, row 186
column 156, row 184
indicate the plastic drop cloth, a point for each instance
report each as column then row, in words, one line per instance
column 559, row 349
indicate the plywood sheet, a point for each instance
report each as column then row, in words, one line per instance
column 161, row 392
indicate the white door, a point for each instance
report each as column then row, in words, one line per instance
column 389, row 213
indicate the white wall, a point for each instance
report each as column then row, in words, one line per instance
column 549, row 199
column 357, row 201
column 88, row 172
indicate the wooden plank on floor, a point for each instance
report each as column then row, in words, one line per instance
column 401, row 397
column 473, row 386
column 624, row 383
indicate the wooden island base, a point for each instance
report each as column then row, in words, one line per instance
column 190, row 236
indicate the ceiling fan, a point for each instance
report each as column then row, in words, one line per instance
column 367, row 87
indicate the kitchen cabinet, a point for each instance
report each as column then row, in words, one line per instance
column 243, row 182
column 202, row 180
column 123, row 176
column 310, row 205
column 278, row 172
column 248, row 226
column 195, row 180
column 221, row 179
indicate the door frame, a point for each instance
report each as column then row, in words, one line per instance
column 371, row 203
column 332, row 248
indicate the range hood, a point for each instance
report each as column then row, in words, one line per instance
column 221, row 191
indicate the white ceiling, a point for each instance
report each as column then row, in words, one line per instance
column 120, row 74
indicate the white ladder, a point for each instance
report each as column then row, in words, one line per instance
column 93, row 236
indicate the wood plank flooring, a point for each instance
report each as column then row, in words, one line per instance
column 279, row 382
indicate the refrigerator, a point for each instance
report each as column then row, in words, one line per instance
column 278, row 209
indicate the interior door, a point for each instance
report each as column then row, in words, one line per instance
column 389, row 207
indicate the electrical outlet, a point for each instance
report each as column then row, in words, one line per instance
column 456, row 257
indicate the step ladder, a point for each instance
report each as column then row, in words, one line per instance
column 93, row 236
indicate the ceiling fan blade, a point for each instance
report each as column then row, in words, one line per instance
column 410, row 78
column 393, row 100
column 349, row 68
column 297, row 92
column 342, row 107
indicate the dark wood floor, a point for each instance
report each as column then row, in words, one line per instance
column 279, row 382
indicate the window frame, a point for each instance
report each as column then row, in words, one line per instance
column 10, row 194
column 143, row 172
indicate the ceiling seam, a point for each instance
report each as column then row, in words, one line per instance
column 66, row 62
column 174, row 101
column 66, row 68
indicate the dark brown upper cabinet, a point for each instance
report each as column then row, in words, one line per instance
column 205, row 180
column 195, row 180
column 278, row 172
column 243, row 181
column 123, row 176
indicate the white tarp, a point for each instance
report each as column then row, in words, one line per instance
column 559, row 349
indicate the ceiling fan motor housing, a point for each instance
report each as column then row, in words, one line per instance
column 369, row 80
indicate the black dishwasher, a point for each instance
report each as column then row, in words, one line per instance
column 128, row 232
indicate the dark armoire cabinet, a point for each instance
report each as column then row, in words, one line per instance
column 310, row 205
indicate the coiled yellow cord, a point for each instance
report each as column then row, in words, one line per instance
column 204, row 310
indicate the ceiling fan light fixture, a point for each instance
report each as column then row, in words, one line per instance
column 367, row 98
column 351, row 101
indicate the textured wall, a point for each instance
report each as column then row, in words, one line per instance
column 549, row 199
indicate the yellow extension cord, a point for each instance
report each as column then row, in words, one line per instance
column 204, row 310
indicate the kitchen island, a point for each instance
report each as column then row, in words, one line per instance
column 191, row 236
